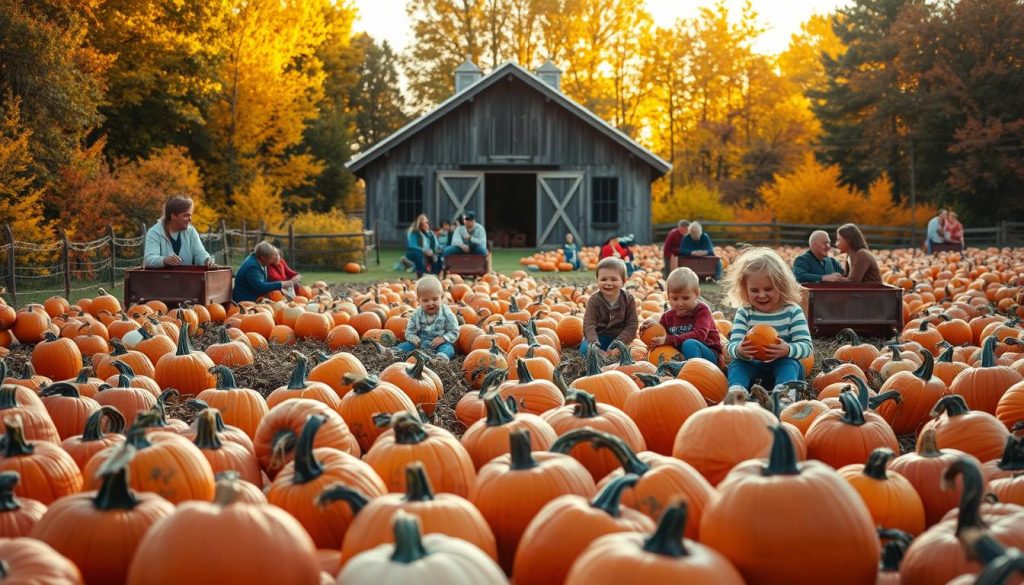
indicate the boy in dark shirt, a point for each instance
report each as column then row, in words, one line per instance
column 611, row 312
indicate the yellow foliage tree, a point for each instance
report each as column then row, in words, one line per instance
column 259, row 204
column 811, row 194
column 324, row 251
column 20, row 203
column 691, row 201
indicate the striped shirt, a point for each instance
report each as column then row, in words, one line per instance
column 789, row 321
column 423, row 328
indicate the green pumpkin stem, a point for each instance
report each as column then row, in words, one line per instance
column 609, row 498
column 206, row 431
column 525, row 377
column 667, row 540
column 8, row 397
column 307, row 468
column 498, row 411
column 161, row 405
column 853, row 414
column 928, row 445
column 361, row 385
column 94, row 424
column 416, row 370
column 119, row 348
column 927, row 365
column 521, row 451
column 627, row 458
column 647, row 380
column 1013, row 455
column 114, row 493
column 952, row 405
column 408, row 428
column 225, row 377
column 125, row 374
column 850, row 335
column 136, row 436
column 593, row 361
column 8, row 501
column 61, row 389
column 356, row 501
column 895, row 548
column 875, row 401
column 988, row 352
column 946, row 356
column 782, row 459
column 625, row 358
column 417, row 484
column 83, row 375
column 877, row 461
column 408, row 539
column 586, row 405
column 558, row 379
column 184, row 343
column 15, row 444
column 972, row 495
column 298, row 378
column 492, row 379
column 862, row 389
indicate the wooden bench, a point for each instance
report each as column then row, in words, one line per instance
column 872, row 310
column 178, row 284
column 945, row 247
column 704, row 266
column 467, row 264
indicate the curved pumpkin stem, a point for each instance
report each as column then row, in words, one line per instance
column 1013, row 455
column 895, row 548
column 586, row 405
column 492, row 379
column 952, row 405
column 408, row 428
column 559, row 380
column 298, row 377
column 610, row 496
column 419, row 361
column 877, row 462
column 8, row 501
column 850, row 335
column 119, row 348
column 136, row 436
column 356, row 500
column 782, row 459
column 61, row 389
column 974, row 491
column 94, row 424
column 360, row 385
column 593, row 360
column 125, row 374
column 307, row 468
column 417, row 484
column 875, row 401
column 225, row 377
column 625, row 358
column 946, row 356
column 114, row 493
column 408, row 539
column 648, row 380
column 829, row 364
column 206, row 430
column 498, row 411
column 627, row 458
column 521, row 451
column 853, row 414
column 523, row 372
column 667, row 540
column 184, row 343
column 927, row 365
column 14, row 438
column 988, row 349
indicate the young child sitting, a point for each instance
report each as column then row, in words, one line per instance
column 689, row 325
column 610, row 314
column 763, row 289
column 432, row 325
column 571, row 251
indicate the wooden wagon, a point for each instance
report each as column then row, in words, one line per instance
column 704, row 266
column 873, row 310
column 178, row 284
column 467, row 264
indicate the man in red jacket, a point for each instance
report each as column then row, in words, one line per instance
column 278, row 269
column 672, row 241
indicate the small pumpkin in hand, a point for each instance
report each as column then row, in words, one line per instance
column 761, row 336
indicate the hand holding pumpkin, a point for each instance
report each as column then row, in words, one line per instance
column 776, row 351
column 747, row 349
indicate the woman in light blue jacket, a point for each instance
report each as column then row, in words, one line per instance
column 173, row 241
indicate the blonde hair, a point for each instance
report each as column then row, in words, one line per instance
column 428, row 284
column 682, row 279
column 612, row 263
column 760, row 261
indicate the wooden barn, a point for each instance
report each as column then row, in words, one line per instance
column 510, row 146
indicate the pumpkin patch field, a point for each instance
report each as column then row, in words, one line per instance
column 284, row 441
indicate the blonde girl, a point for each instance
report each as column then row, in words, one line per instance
column 762, row 288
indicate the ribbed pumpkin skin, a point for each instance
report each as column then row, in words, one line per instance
column 976, row 433
column 46, row 475
column 659, row 412
column 923, row 469
column 610, row 420
column 290, row 416
column 983, row 387
column 447, row 463
column 893, row 502
column 171, row 467
column 31, row 561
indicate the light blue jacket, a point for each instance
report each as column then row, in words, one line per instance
column 934, row 231
column 477, row 236
column 158, row 246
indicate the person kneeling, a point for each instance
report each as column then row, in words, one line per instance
column 432, row 325
column 251, row 280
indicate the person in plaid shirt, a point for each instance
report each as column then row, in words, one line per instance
column 432, row 325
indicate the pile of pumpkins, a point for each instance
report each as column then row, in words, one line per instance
column 643, row 468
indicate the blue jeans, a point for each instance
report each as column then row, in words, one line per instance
column 691, row 348
column 780, row 371
column 473, row 249
column 446, row 348
column 419, row 260
column 603, row 341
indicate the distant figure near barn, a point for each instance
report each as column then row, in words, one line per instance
column 532, row 164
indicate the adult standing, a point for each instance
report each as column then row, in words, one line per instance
column 815, row 265
column 173, row 240
column 697, row 243
column 672, row 242
column 861, row 265
column 468, row 238
column 421, row 247
column 251, row 280
column 936, row 230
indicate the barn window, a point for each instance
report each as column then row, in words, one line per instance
column 604, row 201
column 410, row 199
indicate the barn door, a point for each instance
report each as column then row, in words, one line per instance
column 559, row 207
column 459, row 192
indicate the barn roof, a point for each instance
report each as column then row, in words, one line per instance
column 659, row 165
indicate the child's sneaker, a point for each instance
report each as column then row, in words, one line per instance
column 788, row 393
column 738, row 388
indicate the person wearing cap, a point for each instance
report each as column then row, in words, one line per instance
column 468, row 238
column 815, row 265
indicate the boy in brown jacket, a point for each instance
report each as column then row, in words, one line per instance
column 611, row 313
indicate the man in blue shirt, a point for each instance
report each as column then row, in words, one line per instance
column 815, row 265
column 468, row 238
column 936, row 232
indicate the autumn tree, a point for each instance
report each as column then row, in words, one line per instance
column 445, row 33
column 376, row 99
column 20, row 201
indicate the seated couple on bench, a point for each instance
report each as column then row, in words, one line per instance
column 816, row 265
column 424, row 251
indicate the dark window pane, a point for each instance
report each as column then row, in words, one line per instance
column 605, row 200
column 410, row 199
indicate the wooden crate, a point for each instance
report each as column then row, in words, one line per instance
column 704, row 266
column 872, row 310
column 468, row 264
column 177, row 284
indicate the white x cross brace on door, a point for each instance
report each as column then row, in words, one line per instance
column 559, row 204
column 461, row 202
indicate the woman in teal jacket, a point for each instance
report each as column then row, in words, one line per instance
column 421, row 247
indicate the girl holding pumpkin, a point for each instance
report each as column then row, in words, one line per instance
column 688, row 323
column 767, row 296
column 432, row 325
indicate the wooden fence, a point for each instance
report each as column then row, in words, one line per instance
column 884, row 237
column 37, row 270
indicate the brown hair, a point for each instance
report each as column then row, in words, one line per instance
column 176, row 204
column 853, row 236
column 612, row 263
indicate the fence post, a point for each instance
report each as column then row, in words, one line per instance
column 775, row 231
column 65, row 261
column 12, row 282
column 224, row 238
column 260, row 234
column 1001, row 234
column 376, row 239
column 113, row 256
column 291, row 243
column 245, row 238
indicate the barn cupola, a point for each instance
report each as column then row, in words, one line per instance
column 550, row 74
column 466, row 75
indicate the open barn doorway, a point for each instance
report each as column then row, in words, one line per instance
column 511, row 204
